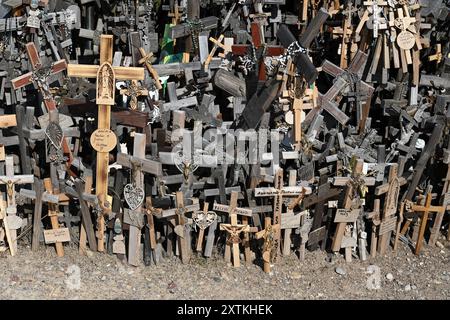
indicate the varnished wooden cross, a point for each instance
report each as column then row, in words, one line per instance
column 147, row 61
column 268, row 248
column 217, row 44
column 39, row 76
column 424, row 211
column 134, row 91
column 106, row 76
column 233, row 228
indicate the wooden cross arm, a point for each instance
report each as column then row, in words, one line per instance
column 385, row 187
column 22, row 179
column 238, row 228
column 121, row 73
column 25, row 79
column 150, row 166
column 8, row 120
column 47, row 197
column 430, row 209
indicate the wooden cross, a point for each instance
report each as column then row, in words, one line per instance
column 233, row 228
column 217, row 44
column 351, row 208
column 278, row 191
column 181, row 223
column 134, row 91
column 39, row 76
column 8, row 229
column 106, row 76
column 424, row 211
column 304, row 65
column 10, row 180
column 388, row 220
column 138, row 165
column 151, row 211
column 268, row 248
column 147, row 61
column 258, row 43
column 38, row 195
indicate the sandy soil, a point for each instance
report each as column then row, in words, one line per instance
column 42, row 275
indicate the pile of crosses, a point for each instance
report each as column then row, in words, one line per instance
column 152, row 128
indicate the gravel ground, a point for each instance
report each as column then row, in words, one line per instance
column 42, row 275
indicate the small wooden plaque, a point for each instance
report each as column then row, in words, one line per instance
column 388, row 225
column 103, row 140
column 346, row 215
column 56, row 235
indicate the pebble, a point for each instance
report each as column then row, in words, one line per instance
column 408, row 287
column 413, row 287
column 296, row 275
column 390, row 277
column 217, row 279
column 340, row 271
column 103, row 278
column 439, row 245
column 89, row 253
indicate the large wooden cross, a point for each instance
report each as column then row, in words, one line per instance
column 39, row 76
column 103, row 139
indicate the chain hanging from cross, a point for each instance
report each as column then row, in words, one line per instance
column 292, row 51
column 195, row 26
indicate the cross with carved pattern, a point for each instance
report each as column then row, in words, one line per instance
column 147, row 61
column 106, row 76
column 233, row 228
column 134, row 91
column 243, row 49
column 39, row 76
column 268, row 234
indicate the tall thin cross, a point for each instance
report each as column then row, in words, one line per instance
column 106, row 76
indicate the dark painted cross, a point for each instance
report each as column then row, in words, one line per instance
column 258, row 44
column 39, row 76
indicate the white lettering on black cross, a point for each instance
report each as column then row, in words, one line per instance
column 278, row 192
column 10, row 180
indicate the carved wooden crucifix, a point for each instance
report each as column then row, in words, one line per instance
column 147, row 61
column 278, row 192
column 233, row 228
column 10, row 181
column 134, row 90
column 39, row 77
column 268, row 233
column 103, row 139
